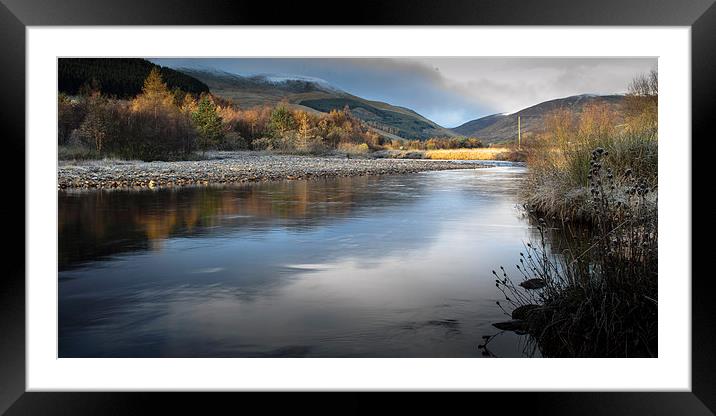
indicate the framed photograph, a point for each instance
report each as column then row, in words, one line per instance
column 490, row 198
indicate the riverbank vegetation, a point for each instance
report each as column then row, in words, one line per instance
column 490, row 153
column 502, row 153
column 560, row 158
column 160, row 123
column 586, row 286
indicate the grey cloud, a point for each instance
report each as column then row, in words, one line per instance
column 450, row 90
column 509, row 84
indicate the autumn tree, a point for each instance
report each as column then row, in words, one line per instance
column 305, row 131
column 157, row 128
column 251, row 121
column 96, row 125
column 188, row 104
column 208, row 123
column 155, row 97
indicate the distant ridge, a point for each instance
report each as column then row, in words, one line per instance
column 503, row 127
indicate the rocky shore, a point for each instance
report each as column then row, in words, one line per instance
column 232, row 167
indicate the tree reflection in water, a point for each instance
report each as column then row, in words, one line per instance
column 393, row 266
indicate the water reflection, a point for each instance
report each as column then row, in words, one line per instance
column 395, row 266
column 98, row 224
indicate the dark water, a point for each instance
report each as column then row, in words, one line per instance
column 394, row 266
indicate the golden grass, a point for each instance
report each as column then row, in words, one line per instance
column 353, row 148
column 466, row 154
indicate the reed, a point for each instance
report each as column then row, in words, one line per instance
column 598, row 298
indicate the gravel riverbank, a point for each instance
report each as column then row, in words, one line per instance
column 232, row 167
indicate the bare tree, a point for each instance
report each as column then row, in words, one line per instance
column 642, row 101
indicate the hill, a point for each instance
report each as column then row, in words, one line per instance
column 498, row 128
column 120, row 77
column 317, row 95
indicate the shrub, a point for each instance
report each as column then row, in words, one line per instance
column 100, row 124
column 353, row 149
column 164, row 135
column 263, row 143
column 232, row 140
column 74, row 151
column 599, row 300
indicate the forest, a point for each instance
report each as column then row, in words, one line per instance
column 118, row 77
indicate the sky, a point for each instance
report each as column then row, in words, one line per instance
column 449, row 91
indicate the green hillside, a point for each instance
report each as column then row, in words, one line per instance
column 400, row 123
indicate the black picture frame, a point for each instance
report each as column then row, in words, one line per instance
column 16, row 15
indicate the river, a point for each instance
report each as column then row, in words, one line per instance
column 372, row 266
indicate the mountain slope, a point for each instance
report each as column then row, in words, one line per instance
column 503, row 127
column 316, row 95
column 472, row 127
column 120, row 77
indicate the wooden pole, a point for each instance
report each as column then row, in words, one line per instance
column 519, row 133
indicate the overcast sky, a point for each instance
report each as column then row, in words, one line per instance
column 449, row 91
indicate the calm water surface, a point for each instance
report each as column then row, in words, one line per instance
column 392, row 266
